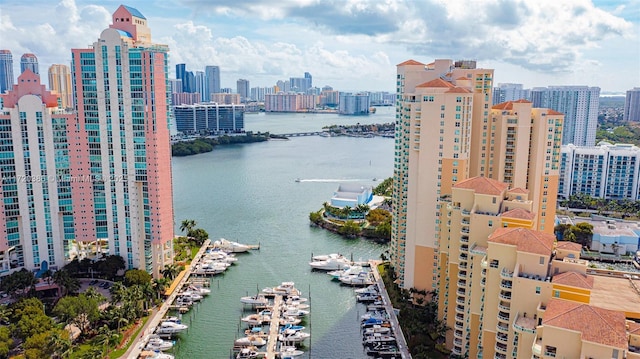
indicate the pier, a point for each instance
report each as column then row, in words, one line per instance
column 403, row 349
column 272, row 340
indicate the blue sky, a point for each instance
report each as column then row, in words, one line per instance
column 355, row 44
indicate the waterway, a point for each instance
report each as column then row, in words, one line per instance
column 248, row 193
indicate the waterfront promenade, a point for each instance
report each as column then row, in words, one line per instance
column 388, row 306
column 140, row 341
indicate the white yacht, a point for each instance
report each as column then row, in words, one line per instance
column 256, row 319
column 156, row 343
column 193, row 296
column 255, row 300
column 289, row 352
column 247, row 353
column 293, row 336
column 324, row 257
column 200, row 290
column 170, row 328
column 285, row 289
column 331, row 264
column 230, row 246
column 294, row 312
column 250, row 340
column 362, row 278
column 290, row 320
column 352, row 269
column 221, row 256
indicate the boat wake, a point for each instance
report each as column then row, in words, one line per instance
column 332, row 180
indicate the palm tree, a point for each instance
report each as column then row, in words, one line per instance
column 66, row 282
column 60, row 344
column 5, row 314
column 92, row 293
column 107, row 338
column 117, row 292
column 160, row 285
column 187, row 225
column 170, row 271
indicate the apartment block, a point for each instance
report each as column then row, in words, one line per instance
column 602, row 171
column 123, row 121
column 60, row 83
column 36, row 212
column 631, row 105
column 210, row 117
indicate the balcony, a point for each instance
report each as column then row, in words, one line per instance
column 456, row 350
column 464, row 239
column 464, row 248
column 463, row 257
column 503, row 316
column 536, row 348
column 460, row 317
column 506, row 274
column 462, row 283
column 466, row 213
column 534, row 277
column 458, row 334
column 503, row 338
column 501, row 348
column 457, row 342
column 464, row 230
column 459, row 326
column 460, row 309
column 483, row 272
column 462, row 274
column 506, row 296
column 506, row 284
column 463, row 266
column 500, row 356
column 504, row 306
column 524, row 324
column 465, row 221
column 461, row 292
column 460, row 300
column 483, row 282
column 483, row 263
column 502, row 327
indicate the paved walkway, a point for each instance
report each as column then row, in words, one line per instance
column 140, row 341
column 395, row 325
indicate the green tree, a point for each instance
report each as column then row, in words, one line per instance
column 6, row 342
column 383, row 230
column 67, row 283
column 136, row 276
column 33, row 321
column 54, row 343
column 315, row 217
column 81, row 311
column 350, row 229
column 19, row 284
column 198, row 235
column 170, row 271
column 187, row 225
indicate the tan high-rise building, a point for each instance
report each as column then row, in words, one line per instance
column 60, row 83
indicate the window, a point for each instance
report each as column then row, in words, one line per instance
column 537, row 290
column 490, row 223
column 556, row 293
column 541, row 260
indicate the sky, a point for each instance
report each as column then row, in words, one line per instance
column 354, row 45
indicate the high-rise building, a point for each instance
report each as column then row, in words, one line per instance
column 6, row 71
column 200, row 84
column 604, row 171
column 60, row 83
column 123, row 110
column 354, row 104
column 212, row 74
column 36, row 213
column 300, row 84
column 243, row 90
column 211, row 117
column 579, row 104
column 509, row 92
column 631, row 105
column 29, row 61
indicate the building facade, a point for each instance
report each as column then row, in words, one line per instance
column 60, row 83
column 579, row 104
column 243, row 90
column 353, row 104
column 123, row 109
column 603, row 171
column 36, row 214
column 6, row 71
column 212, row 75
column 29, row 61
column 210, row 117
column 505, row 92
column 631, row 105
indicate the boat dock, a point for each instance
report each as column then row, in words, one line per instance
column 272, row 340
column 395, row 325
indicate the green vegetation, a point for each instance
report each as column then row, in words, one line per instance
column 617, row 208
column 579, row 233
column 424, row 332
column 206, row 144
column 185, row 248
column 385, row 188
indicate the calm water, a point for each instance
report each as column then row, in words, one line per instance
column 247, row 193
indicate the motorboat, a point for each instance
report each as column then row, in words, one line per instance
column 292, row 336
column 381, row 348
column 200, row 290
column 372, row 289
column 255, row 300
column 148, row 354
column 291, row 327
column 378, row 338
column 247, row 353
column 172, row 319
column 331, row 264
column 295, row 304
column 170, row 328
column 324, row 257
column 352, row 269
column 256, row 319
column 376, row 329
column 250, row 340
column 297, row 298
column 156, row 343
column 193, row 296
column 374, row 321
column 256, row 331
column 383, row 315
column 297, row 180
column 362, row 278
column 229, row 246
column 367, row 297
column 208, row 263
column 220, row 256
column 284, row 289
column 294, row 312
column 290, row 320
column 288, row 352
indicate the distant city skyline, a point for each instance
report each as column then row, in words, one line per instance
column 355, row 46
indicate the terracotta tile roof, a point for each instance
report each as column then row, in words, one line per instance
column 518, row 213
column 410, row 62
column 462, row 78
column 634, row 328
column 573, row 279
column 436, row 83
column 519, row 190
column 525, row 240
column 597, row 325
column 483, row 185
column 458, row 90
column 569, row 246
column 554, row 112
column 508, row 105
